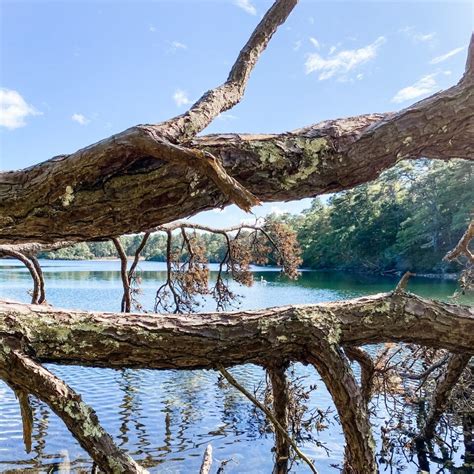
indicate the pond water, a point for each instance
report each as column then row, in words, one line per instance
column 165, row 419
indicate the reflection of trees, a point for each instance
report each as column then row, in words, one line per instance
column 132, row 411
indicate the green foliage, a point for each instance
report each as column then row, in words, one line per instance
column 407, row 219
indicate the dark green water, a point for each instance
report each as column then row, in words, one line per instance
column 165, row 419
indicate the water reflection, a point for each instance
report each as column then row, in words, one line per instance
column 164, row 419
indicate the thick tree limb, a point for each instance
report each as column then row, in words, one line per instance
column 25, row 374
column 334, row 369
column 309, row 333
column 204, row 340
column 130, row 181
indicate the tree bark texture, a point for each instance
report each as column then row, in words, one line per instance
column 136, row 179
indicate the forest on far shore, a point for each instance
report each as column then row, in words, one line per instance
column 407, row 219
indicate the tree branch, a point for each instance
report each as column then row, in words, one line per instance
column 440, row 398
column 269, row 415
column 130, row 182
column 24, row 373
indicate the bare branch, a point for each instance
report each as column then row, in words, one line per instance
column 462, row 247
column 456, row 365
column 367, row 369
column 269, row 415
column 224, row 97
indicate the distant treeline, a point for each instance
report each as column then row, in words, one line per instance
column 405, row 220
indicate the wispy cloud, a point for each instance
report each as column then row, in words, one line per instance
column 314, row 42
column 426, row 85
column 152, row 29
column 14, row 109
column 181, row 98
column 176, row 45
column 449, row 54
column 247, row 6
column 297, row 45
column 416, row 36
column 342, row 62
column 80, row 119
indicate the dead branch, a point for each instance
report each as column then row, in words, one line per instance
column 454, row 369
column 269, row 415
column 462, row 247
column 206, row 461
column 280, row 397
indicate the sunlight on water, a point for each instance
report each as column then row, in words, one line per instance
column 165, row 419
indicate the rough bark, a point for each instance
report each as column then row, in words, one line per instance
column 28, row 376
column 440, row 398
column 204, row 340
column 130, row 182
column 367, row 370
column 280, row 395
column 334, row 369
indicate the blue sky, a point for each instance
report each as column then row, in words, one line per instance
column 74, row 72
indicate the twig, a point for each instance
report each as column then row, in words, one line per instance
column 269, row 415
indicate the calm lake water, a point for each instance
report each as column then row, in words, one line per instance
column 165, row 419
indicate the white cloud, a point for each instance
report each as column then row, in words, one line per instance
column 181, row 98
column 297, row 45
column 152, row 29
column 314, row 42
column 332, row 49
column 80, row 119
column 247, row 6
column 178, row 45
column 342, row 62
column 360, row 76
column 426, row 85
column 443, row 57
column 14, row 109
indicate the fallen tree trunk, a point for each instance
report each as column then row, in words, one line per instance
column 307, row 333
column 137, row 179
column 204, row 340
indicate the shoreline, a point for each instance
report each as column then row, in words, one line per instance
column 449, row 276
